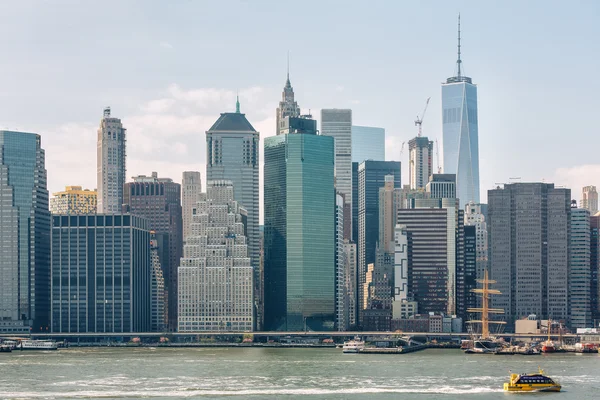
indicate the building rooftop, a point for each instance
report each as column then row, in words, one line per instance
column 232, row 122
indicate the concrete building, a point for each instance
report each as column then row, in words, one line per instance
column 355, row 202
column 191, row 187
column 474, row 216
column 528, row 238
column 420, row 158
column 589, row 199
column 461, row 132
column 368, row 143
column 435, row 256
column 407, row 196
column 74, row 200
column 580, row 284
column 403, row 306
column 288, row 106
column 158, row 321
column 351, row 275
column 232, row 146
column 337, row 123
column 371, row 177
column 159, row 201
column 216, row 277
column 24, row 234
column 387, row 214
column 341, row 294
column 101, row 274
column 442, row 186
column 111, row 159
column 465, row 297
column 299, row 260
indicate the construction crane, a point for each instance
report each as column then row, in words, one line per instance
column 402, row 148
column 419, row 121
column 437, row 157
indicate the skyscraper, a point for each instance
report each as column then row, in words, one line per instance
column 528, row 248
column 299, row 244
column 232, row 147
column 474, row 217
column 191, row 187
column 157, row 288
column 341, row 294
column 420, row 159
column 101, row 276
column 159, row 201
column 595, row 268
column 338, row 124
column 460, row 133
column 589, row 199
column 24, row 234
column 74, row 200
column 216, row 277
column 288, row 107
column 580, row 277
column 111, row 164
column 368, row 143
column 371, row 177
column 442, row 186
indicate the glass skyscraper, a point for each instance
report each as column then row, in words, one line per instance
column 24, row 234
column 299, row 244
column 461, row 134
column 368, row 143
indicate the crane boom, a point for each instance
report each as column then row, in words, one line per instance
column 419, row 120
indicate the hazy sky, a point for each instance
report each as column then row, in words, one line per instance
column 168, row 68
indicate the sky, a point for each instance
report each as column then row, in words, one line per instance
column 168, row 68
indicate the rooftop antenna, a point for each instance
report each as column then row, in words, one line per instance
column 237, row 102
column 458, row 62
column 288, row 66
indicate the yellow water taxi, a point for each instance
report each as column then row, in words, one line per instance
column 531, row 383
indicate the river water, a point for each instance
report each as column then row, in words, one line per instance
column 276, row 373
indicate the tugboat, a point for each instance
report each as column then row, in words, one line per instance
column 531, row 383
column 548, row 346
column 485, row 344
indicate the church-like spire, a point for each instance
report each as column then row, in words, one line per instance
column 287, row 82
column 237, row 104
column 459, row 77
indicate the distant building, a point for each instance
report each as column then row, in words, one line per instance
column 111, row 164
column 337, row 123
column 532, row 274
column 233, row 154
column 74, row 200
column 101, row 274
column 351, row 275
column 216, row 277
column 442, row 186
column 288, row 106
column 159, row 201
column 24, row 234
column 371, row 177
column 191, row 187
column 461, row 133
column 467, row 298
column 420, row 150
column 402, row 306
column 589, row 199
column 299, row 260
column 595, row 268
column 158, row 321
column 474, row 216
column 341, row 293
column 368, row 143
column 579, row 269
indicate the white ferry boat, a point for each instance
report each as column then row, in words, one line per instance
column 353, row 346
column 37, row 345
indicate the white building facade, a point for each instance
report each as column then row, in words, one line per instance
column 111, row 158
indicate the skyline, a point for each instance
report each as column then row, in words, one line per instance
column 168, row 97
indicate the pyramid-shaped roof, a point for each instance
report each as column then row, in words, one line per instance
column 232, row 122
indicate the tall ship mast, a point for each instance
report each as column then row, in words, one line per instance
column 485, row 309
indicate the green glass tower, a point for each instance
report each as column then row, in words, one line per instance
column 299, row 201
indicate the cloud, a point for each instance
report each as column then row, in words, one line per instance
column 165, row 45
column 576, row 177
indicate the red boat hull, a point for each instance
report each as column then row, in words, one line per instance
column 548, row 349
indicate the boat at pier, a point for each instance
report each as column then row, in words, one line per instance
column 37, row 345
column 353, row 346
column 485, row 343
column 537, row 382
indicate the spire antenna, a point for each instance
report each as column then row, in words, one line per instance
column 237, row 102
column 458, row 62
column 288, row 66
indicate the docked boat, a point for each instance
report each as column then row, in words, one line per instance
column 353, row 346
column 37, row 345
column 548, row 347
column 4, row 348
column 484, row 346
column 537, row 382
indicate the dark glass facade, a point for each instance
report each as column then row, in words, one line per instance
column 468, row 300
column 158, row 200
column 371, row 177
column 299, row 244
column 24, row 233
column 101, row 273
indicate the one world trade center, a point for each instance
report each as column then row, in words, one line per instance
column 460, row 133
